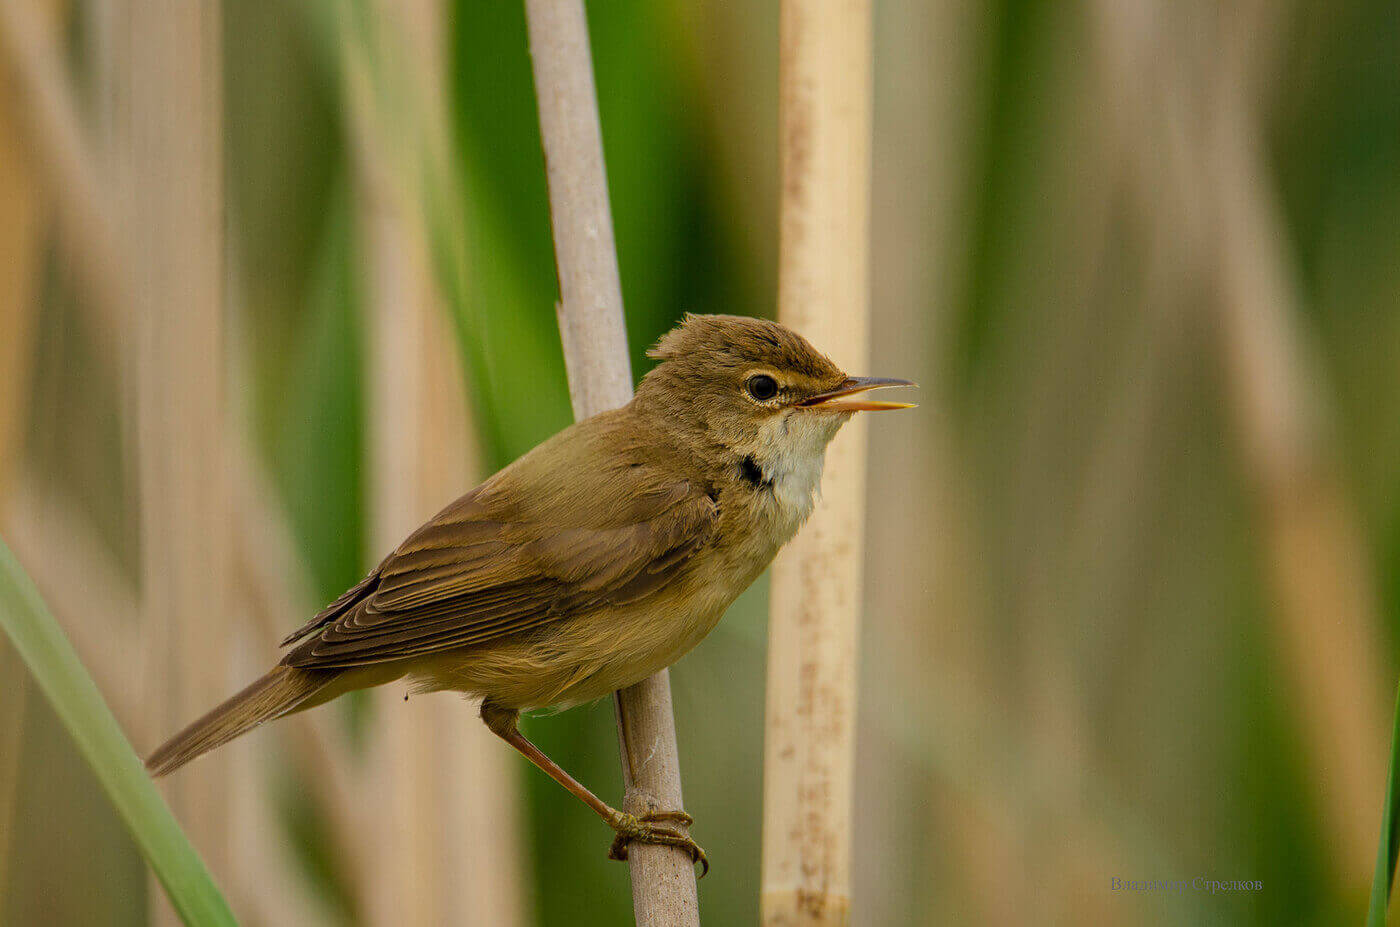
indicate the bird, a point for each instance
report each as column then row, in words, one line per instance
column 589, row 563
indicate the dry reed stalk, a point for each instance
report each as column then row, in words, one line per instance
column 824, row 75
column 445, row 778
column 595, row 354
column 171, row 139
column 591, row 313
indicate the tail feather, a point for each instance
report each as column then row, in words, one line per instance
column 280, row 692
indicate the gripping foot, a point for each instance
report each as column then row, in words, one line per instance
column 646, row 829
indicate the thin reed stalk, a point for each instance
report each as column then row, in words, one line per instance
column 172, row 143
column 595, row 354
column 824, row 75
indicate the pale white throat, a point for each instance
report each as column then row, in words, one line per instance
column 790, row 453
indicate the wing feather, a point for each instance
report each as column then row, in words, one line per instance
column 479, row 571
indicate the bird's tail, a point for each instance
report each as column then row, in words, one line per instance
column 280, row 692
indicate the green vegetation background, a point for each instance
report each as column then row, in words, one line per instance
column 695, row 232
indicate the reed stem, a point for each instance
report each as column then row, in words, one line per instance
column 823, row 280
column 600, row 378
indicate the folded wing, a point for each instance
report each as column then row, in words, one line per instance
column 480, row 571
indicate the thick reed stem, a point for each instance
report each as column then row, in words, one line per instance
column 595, row 352
column 823, row 283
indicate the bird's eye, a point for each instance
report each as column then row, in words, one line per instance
column 762, row 387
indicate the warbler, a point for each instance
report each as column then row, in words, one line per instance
column 593, row 561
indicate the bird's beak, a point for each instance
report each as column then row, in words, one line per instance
column 835, row 400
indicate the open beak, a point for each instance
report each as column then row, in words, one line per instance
column 836, row 401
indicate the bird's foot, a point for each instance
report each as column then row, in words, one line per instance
column 644, row 829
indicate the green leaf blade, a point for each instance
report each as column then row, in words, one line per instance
column 1384, row 879
column 55, row 666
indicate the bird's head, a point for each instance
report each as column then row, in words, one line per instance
column 754, row 387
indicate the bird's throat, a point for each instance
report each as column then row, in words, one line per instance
column 787, row 462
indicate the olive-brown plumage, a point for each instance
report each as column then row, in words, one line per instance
column 593, row 561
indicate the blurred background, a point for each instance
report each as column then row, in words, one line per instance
column 276, row 283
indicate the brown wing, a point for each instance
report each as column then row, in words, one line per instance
column 473, row 574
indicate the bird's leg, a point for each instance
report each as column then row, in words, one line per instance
column 629, row 827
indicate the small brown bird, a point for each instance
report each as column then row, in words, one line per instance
column 593, row 561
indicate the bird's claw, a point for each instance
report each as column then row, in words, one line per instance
column 643, row 829
column 679, row 817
